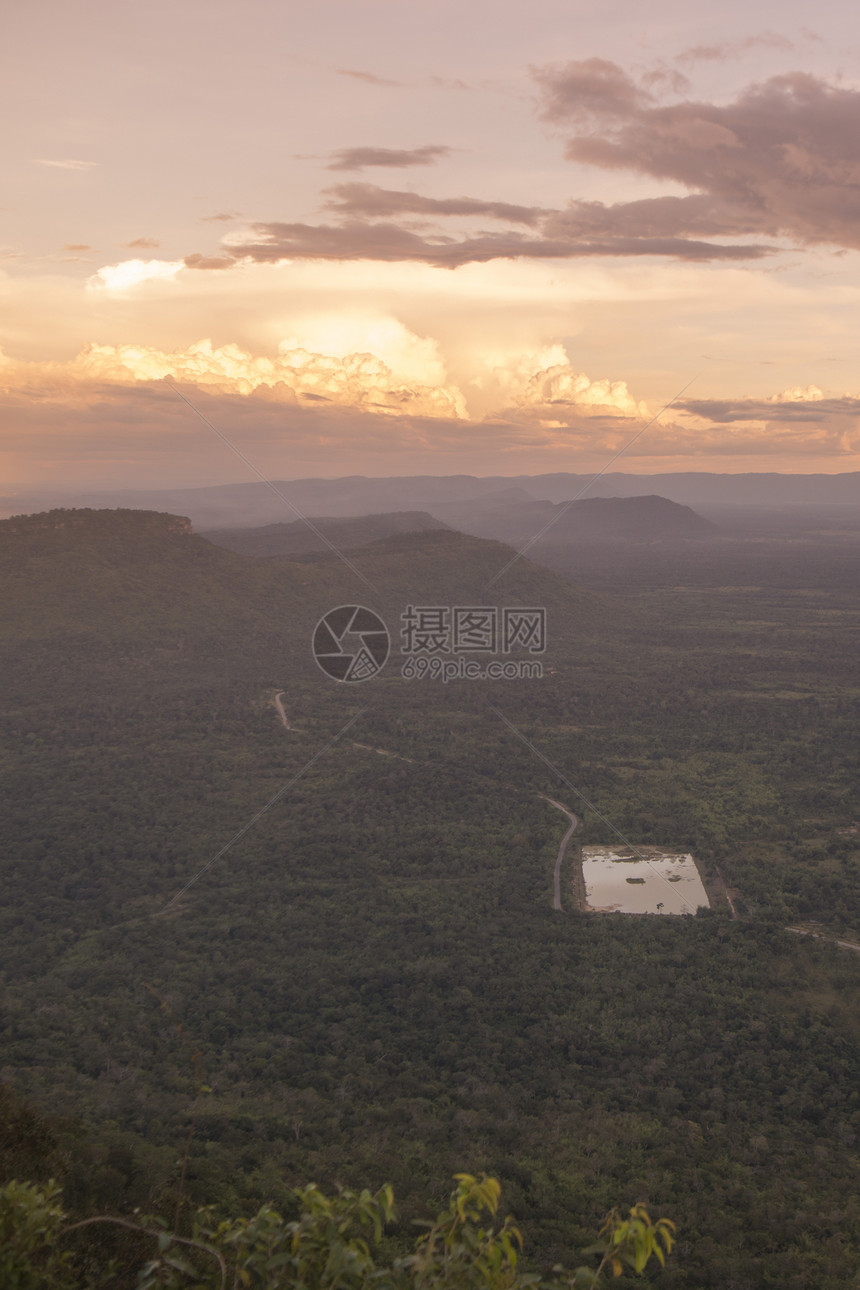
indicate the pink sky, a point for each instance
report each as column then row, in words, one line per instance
column 387, row 239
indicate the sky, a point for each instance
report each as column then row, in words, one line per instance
column 383, row 237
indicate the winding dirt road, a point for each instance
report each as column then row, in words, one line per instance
column 574, row 825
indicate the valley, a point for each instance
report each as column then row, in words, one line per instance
column 374, row 976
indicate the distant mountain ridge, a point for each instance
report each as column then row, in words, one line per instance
column 251, row 505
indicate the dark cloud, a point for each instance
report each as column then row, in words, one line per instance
column 382, row 203
column 209, row 262
column 782, row 160
column 696, row 216
column 592, row 87
column 368, row 77
column 223, row 218
column 143, row 243
column 816, row 411
column 359, row 158
column 389, row 242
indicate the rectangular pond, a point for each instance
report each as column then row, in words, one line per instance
column 651, row 881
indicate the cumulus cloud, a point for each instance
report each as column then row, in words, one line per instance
column 781, row 160
column 545, row 385
column 398, row 158
column 356, row 380
column 109, row 415
column 799, row 394
column 411, row 359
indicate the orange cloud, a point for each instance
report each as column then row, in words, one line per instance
column 359, row 380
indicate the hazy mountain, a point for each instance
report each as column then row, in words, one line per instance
column 613, row 519
column 254, row 504
column 299, row 537
column 139, row 582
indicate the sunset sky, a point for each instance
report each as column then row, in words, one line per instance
column 384, row 238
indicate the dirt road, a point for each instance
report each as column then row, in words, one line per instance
column 574, row 825
column 281, row 713
column 820, row 936
column 383, row 752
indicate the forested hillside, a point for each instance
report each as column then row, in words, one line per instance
column 371, row 984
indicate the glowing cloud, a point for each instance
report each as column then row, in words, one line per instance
column 359, row 380
column 545, row 381
column 130, row 273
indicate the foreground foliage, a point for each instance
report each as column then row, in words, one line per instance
column 330, row 1246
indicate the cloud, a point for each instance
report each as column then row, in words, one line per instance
column 390, row 242
column 781, row 160
column 799, row 394
column 359, row 158
column 143, row 244
column 373, row 365
column 593, row 87
column 68, row 164
column 77, row 246
column 108, row 417
column 356, row 380
column 224, row 217
column 799, row 424
column 351, row 200
column 544, row 384
column 368, row 77
column 794, row 406
column 733, row 48
column 209, row 262
column 129, row 273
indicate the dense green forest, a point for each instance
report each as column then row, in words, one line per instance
column 371, row 985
